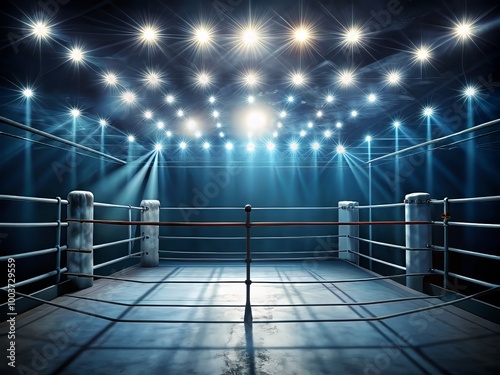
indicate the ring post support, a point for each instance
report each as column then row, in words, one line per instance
column 348, row 212
column 417, row 208
column 80, row 236
column 150, row 242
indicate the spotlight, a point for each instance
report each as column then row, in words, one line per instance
column 301, row 34
column 294, row 146
column 160, row 124
column 191, row 124
column 180, row 113
column 428, row 111
column 221, row 134
column 202, row 36
column 75, row 112
column 279, row 125
column 40, row 29
column 215, row 114
column 275, row 134
column 328, row 133
column 28, row 93
column 168, row 133
column 251, row 99
column 211, row 99
column 315, row 146
column 256, row 120
column 131, row 138
column 152, row 79
column 149, row 34
column 197, row 134
column 250, row 147
column 303, row 133
column 372, row 98
column 103, row 122
column 251, row 79
column 128, row 97
column 298, row 79
column 340, row 149
column 206, row 145
column 291, row 99
column 203, row 79
column 76, row 55
column 397, row 124
column 229, row 146
column 329, row 98
column 346, row 78
column 110, row 79
column 148, row 115
column 219, row 125
column 463, row 30
column 319, row 114
column 282, row 114
column 354, row 113
column 270, row 146
column 393, row 78
column 352, row 36
column 309, row 124
column 249, row 37
column 470, row 91
column 368, row 138
column 158, row 147
column 338, row 125
column 422, row 54
column 170, row 99
column 182, row 145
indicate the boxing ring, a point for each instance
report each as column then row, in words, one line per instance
column 244, row 310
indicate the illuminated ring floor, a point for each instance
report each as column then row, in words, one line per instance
column 440, row 341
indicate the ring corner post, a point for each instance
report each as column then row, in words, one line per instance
column 81, row 237
column 348, row 246
column 150, row 233
column 417, row 208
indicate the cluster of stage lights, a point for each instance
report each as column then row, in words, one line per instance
column 251, row 146
column 251, row 36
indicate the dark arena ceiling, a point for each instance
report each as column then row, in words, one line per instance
column 281, row 81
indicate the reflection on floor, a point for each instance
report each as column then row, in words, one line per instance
column 440, row 341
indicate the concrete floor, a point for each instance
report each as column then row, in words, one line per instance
column 441, row 341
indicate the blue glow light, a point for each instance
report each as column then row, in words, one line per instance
column 294, row 146
column 319, row 114
column 128, row 97
column 368, row 138
column 215, row 114
column 270, row 146
column 180, row 113
column 338, row 125
column 148, row 115
column 206, row 145
column 303, row 133
column 279, row 125
column 219, row 125
column 229, row 146
column 183, row 145
column 340, row 149
column 316, row 146
column 282, row 114
column 275, row 134
column 197, row 134
column 222, row 135
column 28, row 93
column 329, row 98
column 397, row 124
column 158, row 147
column 168, row 133
column 131, row 138
column 309, row 124
column 160, row 124
column 211, row 99
column 103, row 122
column 328, row 133
column 251, row 99
column 428, row 111
column 372, row 98
column 110, row 79
column 40, row 29
column 470, row 91
column 170, row 99
column 75, row 112
column 354, row 113
column 291, row 99
column 250, row 147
